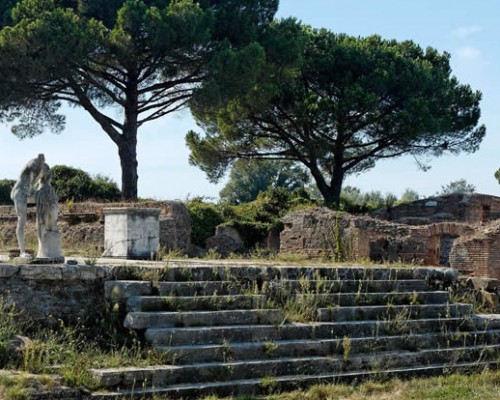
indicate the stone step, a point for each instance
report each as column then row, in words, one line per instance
column 252, row 387
column 487, row 321
column 366, row 299
column 208, row 288
column 190, row 303
column 312, row 348
column 163, row 376
column 313, row 330
column 207, row 303
column 144, row 320
column 390, row 312
column 255, row 273
column 159, row 319
column 120, row 291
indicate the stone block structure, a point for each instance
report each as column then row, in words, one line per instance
column 468, row 239
column 472, row 209
column 83, row 223
column 131, row 232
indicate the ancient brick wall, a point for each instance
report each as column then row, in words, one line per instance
column 473, row 209
column 314, row 232
column 478, row 254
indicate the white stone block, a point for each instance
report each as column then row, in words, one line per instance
column 131, row 232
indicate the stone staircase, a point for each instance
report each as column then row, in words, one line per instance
column 250, row 330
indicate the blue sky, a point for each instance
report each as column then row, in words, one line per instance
column 468, row 30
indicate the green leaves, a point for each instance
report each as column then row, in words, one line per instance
column 144, row 57
column 337, row 104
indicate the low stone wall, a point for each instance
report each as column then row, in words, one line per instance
column 48, row 293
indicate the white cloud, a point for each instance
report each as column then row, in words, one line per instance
column 469, row 53
column 466, row 31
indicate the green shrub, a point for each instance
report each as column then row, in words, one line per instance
column 77, row 185
column 205, row 217
column 6, row 186
column 71, row 183
column 103, row 188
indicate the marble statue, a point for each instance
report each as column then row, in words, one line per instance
column 23, row 190
column 49, row 237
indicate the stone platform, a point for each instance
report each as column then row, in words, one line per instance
column 235, row 330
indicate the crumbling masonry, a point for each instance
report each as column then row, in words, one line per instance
column 460, row 231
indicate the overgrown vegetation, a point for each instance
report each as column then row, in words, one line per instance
column 77, row 185
column 6, row 186
column 484, row 385
column 71, row 349
column 253, row 220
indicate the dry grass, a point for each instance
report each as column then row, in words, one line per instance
column 481, row 386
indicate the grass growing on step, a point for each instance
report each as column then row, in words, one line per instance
column 18, row 385
column 299, row 305
column 70, row 351
column 480, row 386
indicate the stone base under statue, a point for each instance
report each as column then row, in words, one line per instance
column 49, row 245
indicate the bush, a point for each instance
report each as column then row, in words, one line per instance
column 77, row 185
column 252, row 220
column 6, row 186
column 104, row 188
column 71, row 183
column 205, row 217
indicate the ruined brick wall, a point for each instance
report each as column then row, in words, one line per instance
column 473, row 209
column 478, row 254
column 313, row 232
column 175, row 227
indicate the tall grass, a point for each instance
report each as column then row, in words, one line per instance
column 71, row 351
column 481, row 386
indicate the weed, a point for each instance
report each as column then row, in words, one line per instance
column 346, row 348
column 163, row 254
column 213, row 254
column 270, row 348
column 268, row 384
column 226, row 351
column 92, row 256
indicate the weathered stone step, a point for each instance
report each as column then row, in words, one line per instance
column 242, row 273
column 144, row 320
column 392, row 298
column 391, row 312
column 206, row 303
column 313, row 330
column 249, row 387
column 189, row 303
column 253, row 273
column 164, row 376
column 487, row 321
column 208, row 288
column 159, row 319
column 321, row 347
column 120, row 291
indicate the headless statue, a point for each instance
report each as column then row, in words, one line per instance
column 24, row 189
column 49, row 238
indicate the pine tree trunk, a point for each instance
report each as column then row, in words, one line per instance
column 128, row 160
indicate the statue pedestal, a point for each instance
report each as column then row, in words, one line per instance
column 49, row 246
column 132, row 233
